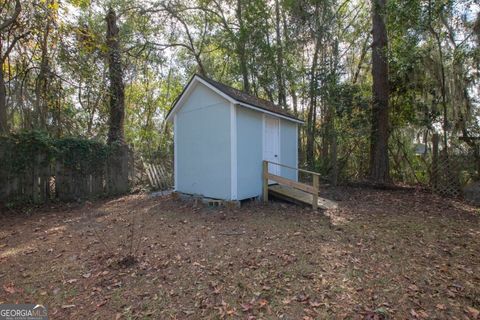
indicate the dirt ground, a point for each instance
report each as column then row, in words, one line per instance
column 381, row 255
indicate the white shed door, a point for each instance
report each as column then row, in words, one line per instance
column 271, row 144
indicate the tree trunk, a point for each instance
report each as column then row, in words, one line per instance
column 282, row 96
column 334, row 160
column 443, row 89
column 379, row 164
column 311, row 116
column 3, row 104
column 41, row 85
column 240, row 46
column 476, row 28
column 361, row 60
column 294, row 100
column 200, row 67
column 117, row 94
column 4, row 25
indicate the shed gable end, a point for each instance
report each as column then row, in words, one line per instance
column 200, row 97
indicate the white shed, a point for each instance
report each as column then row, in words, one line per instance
column 221, row 136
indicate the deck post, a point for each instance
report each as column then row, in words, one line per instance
column 315, row 194
column 265, row 181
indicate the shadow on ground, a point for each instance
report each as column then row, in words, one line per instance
column 384, row 254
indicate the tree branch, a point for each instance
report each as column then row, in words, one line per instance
column 12, row 44
column 13, row 18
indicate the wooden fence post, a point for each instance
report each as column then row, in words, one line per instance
column 265, row 181
column 315, row 194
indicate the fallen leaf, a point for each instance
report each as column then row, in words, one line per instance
column 9, row 288
column 315, row 304
column 231, row 312
column 472, row 312
column 301, row 297
column 246, row 307
column 423, row 314
column 413, row 287
column 101, row 303
column 413, row 313
column 262, row 303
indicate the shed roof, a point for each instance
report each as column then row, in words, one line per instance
column 238, row 97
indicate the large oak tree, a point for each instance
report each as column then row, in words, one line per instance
column 379, row 163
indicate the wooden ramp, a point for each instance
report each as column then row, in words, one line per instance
column 298, row 196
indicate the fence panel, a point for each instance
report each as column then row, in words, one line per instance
column 44, row 178
column 451, row 170
column 28, row 184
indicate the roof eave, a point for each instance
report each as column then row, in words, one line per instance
column 185, row 92
column 275, row 114
column 226, row 96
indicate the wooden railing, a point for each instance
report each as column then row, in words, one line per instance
column 312, row 189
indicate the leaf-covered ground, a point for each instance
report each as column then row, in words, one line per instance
column 381, row 255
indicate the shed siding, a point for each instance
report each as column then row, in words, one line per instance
column 203, row 145
column 249, row 153
column 288, row 149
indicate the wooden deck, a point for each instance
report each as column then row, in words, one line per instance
column 298, row 196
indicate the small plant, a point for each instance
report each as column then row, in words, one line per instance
column 130, row 259
column 126, row 258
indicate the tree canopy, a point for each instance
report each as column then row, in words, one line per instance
column 315, row 58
